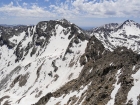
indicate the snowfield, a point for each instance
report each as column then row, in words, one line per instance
column 38, row 71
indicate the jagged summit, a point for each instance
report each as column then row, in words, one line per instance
column 64, row 21
column 126, row 34
column 38, row 59
column 111, row 25
column 117, row 26
column 129, row 21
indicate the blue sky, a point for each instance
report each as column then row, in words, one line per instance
column 85, row 13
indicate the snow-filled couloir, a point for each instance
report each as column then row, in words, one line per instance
column 41, row 59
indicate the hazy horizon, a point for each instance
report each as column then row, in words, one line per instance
column 84, row 13
column 82, row 26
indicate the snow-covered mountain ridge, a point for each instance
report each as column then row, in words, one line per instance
column 126, row 34
column 57, row 63
column 42, row 57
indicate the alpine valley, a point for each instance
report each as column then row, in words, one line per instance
column 57, row 63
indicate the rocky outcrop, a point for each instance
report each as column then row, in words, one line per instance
column 44, row 99
column 8, row 32
column 22, row 79
column 102, row 69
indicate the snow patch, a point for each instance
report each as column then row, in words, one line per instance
column 135, row 90
column 116, row 88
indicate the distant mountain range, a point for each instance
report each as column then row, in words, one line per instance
column 88, row 28
column 115, row 35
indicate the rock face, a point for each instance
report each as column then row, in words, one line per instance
column 56, row 63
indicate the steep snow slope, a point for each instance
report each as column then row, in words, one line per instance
column 126, row 34
column 107, row 78
column 44, row 58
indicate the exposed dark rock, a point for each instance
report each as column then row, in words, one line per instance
column 3, row 98
column 138, row 100
column 38, row 71
column 54, row 65
column 38, row 95
column 39, row 42
column 99, row 72
column 22, row 79
column 33, row 51
column 56, row 77
column 3, row 82
column 50, row 74
column 76, row 40
column 44, row 99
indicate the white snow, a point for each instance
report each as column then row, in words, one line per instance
column 90, row 70
column 135, row 90
column 117, row 38
column 116, row 88
column 16, row 39
column 111, row 64
column 26, row 41
column 55, row 50
column 133, row 68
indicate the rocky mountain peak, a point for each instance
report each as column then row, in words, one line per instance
column 128, row 31
column 64, row 21
column 111, row 26
column 129, row 22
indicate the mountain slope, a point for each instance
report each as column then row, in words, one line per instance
column 41, row 59
column 56, row 63
column 108, row 78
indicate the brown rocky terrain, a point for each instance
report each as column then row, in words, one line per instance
column 99, row 74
